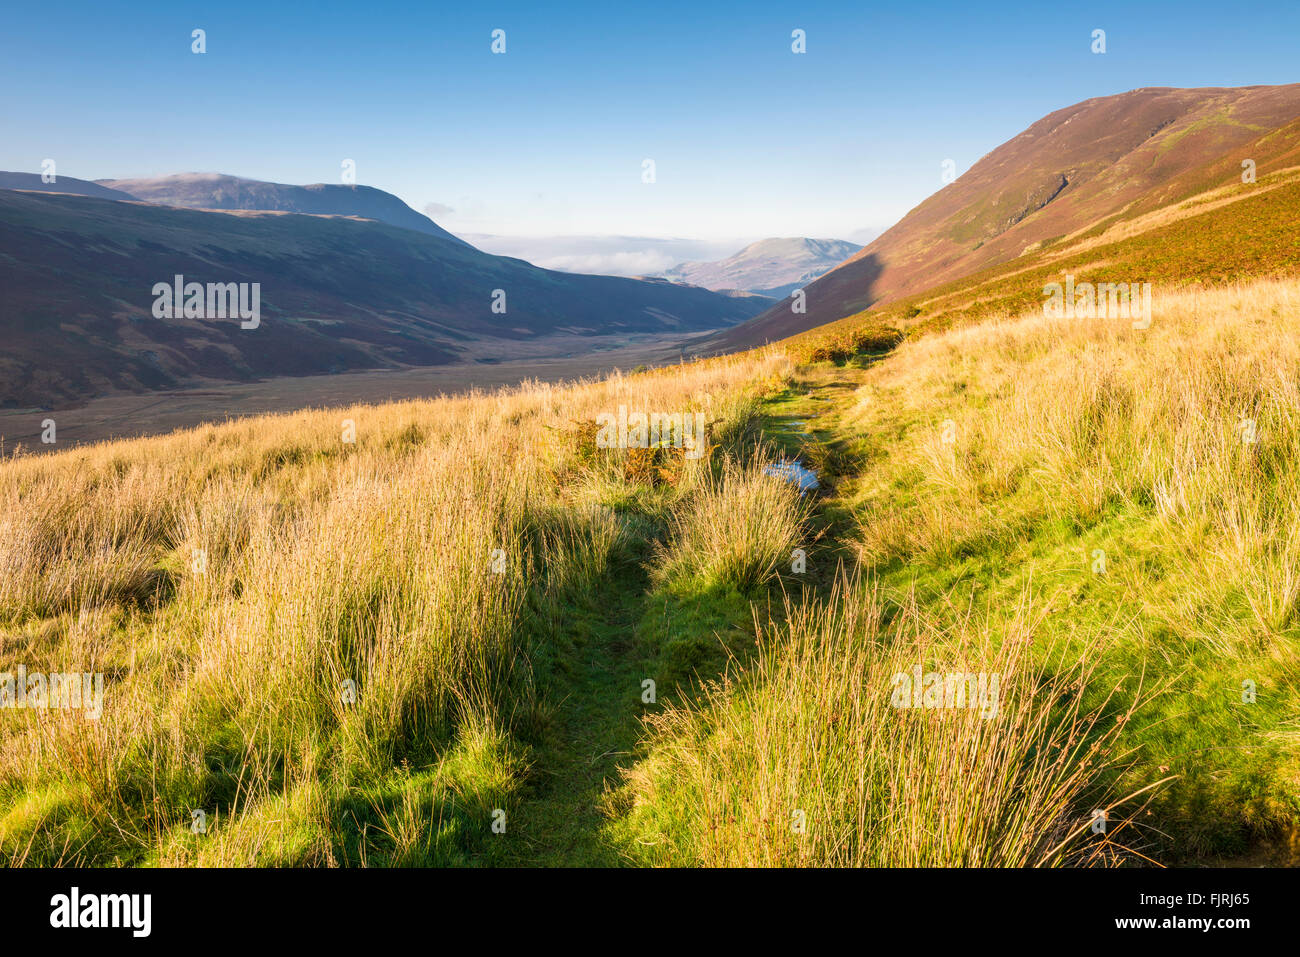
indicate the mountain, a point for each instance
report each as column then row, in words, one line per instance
column 769, row 267
column 1092, row 165
column 61, row 184
column 218, row 191
column 336, row 294
column 1217, row 231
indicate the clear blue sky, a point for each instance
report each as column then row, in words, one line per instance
column 748, row 138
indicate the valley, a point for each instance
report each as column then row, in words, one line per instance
column 650, row 679
column 988, row 558
column 133, row 415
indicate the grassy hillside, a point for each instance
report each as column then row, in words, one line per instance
column 617, row 655
column 229, row 581
column 1140, row 486
column 1116, row 505
column 1232, row 233
column 1106, row 160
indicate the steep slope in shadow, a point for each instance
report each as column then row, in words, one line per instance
column 336, row 294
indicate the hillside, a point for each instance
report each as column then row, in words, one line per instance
column 218, row 191
column 336, row 294
column 373, row 652
column 769, row 267
column 1217, row 237
column 1086, row 166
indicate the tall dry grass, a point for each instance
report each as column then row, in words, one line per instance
column 736, row 531
column 234, row 581
column 1196, row 418
column 804, row 760
column 1142, row 479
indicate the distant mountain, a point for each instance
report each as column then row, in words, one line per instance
column 603, row 254
column 1080, row 168
column 61, row 184
column 77, row 320
column 218, row 191
column 769, row 267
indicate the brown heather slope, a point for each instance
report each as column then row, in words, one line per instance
column 1220, row 237
column 1088, row 165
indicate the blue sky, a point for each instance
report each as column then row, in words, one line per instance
column 748, row 138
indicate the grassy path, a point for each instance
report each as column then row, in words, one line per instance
column 1231, row 766
column 819, row 398
column 562, row 818
column 596, row 724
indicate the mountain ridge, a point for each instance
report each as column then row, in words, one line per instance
column 32, row 182
column 221, row 191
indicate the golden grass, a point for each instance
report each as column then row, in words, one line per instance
column 998, row 458
column 1145, row 481
column 231, row 580
column 804, row 760
column 737, row 531
column 1197, row 417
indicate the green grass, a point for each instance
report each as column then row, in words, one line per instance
column 479, row 693
column 1194, row 598
column 526, row 695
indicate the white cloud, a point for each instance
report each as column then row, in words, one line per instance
column 633, row 263
column 604, row 255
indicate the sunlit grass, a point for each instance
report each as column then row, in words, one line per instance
column 305, row 637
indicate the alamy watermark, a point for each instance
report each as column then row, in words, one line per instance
column 937, row 689
column 653, row 430
column 72, row 691
column 76, row 909
column 216, row 300
column 1105, row 300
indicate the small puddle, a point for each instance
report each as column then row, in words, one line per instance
column 797, row 427
column 793, row 471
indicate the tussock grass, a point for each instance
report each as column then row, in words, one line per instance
column 736, row 531
column 1068, row 505
column 1147, row 480
column 1195, row 421
column 237, row 584
column 803, row 759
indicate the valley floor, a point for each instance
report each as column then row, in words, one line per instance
column 157, row 413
